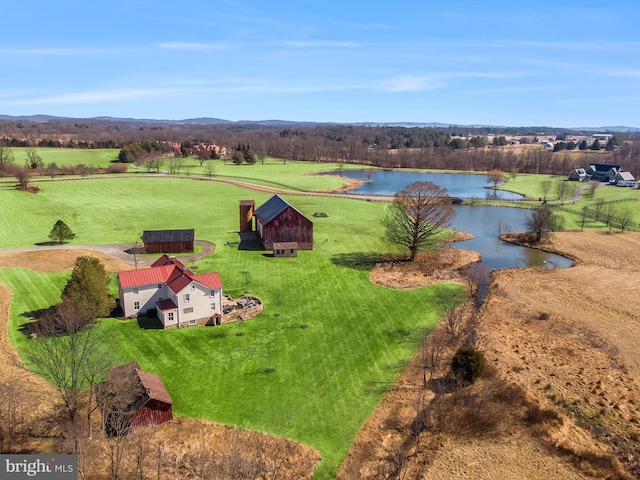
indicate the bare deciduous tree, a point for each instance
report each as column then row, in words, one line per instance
column 624, row 219
column 416, row 215
column 6, row 157
column 70, row 357
column 496, row 176
column 12, row 404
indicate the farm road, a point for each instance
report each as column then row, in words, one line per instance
column 122, row 251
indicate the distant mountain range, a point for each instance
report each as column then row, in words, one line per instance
column 220, row 121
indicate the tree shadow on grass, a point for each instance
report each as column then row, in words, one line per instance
column 33, row 316
column 49, row 244
column 357, row 260
column 377, row 388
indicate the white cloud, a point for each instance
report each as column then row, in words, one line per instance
column 191, row 46
column 321, row 44
column 63, row 51
column 409, row 83
column 622, row 73
column 418, row 83
column 86, row 97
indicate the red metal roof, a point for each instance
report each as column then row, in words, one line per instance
column 166, row 260
column 211, row 280
column 173, row 273
column 166, row 304
column 145, row 276
column 178, row 283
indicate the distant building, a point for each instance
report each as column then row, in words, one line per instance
column 624, row 179
column 277, row 222
column 602, row 137
column 168, row 241
column 579, row 174
column 603, row 172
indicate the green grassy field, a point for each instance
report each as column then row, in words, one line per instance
column 68, row 157
column 329, row 375
column 624, row 198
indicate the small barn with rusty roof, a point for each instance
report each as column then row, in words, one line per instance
column 132, row 400
column 168, row 241
column 277, row 221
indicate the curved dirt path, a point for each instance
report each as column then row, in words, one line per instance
column 120, row 251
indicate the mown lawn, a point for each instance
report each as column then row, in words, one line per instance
column 69, row 157
column 624, row 198
column 335, row 340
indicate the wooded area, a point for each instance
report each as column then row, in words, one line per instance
column 455, row 148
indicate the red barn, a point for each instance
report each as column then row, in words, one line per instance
column 168, row 241
column 277, row 221
column 132, row 400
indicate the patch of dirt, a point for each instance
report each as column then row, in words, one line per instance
column 57, row 260
column 428, row 268
column 562, row 392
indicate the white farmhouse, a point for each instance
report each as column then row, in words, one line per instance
column 180, row 297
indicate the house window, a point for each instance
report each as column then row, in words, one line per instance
column 192, row 322
column 188, row 310
column 213, row 306
column 212, row 293
column 159, row 285
column 193, row 286
column 170, row 317
column 136, row 305
column 187, row 297
column 135, row 291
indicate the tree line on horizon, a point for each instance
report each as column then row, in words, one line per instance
column 460, row 148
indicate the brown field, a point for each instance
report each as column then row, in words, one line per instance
column 561, row 394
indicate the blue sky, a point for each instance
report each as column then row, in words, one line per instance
column 516, row 63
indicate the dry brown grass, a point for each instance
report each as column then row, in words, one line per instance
column 561, row 346
column 427, row 269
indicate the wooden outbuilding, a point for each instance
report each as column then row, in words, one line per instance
column 132, row 400
column 277, row 221
column 169, row 241
column 285, row 249
column 247, row 208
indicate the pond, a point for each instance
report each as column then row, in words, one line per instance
column 461, row 185
column 484, row 222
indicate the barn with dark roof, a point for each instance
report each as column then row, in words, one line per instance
column 277, row 221
column 168, row 241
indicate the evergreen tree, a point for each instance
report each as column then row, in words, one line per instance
column 250, row 157
column 87, row 290
column 61, row 232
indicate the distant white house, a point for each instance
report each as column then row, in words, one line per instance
column 180, row 297
column 602, row 137
column 624, row 179
column 579, row 174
